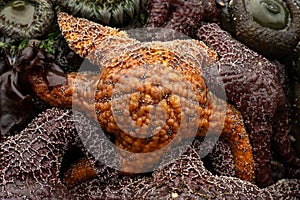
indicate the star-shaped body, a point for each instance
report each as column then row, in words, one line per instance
column 123, row 103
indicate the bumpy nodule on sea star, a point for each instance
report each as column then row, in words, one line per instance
column 119, row 55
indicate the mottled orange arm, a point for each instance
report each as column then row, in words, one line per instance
column 79, row 172
column 89, row 39
column 78, row 92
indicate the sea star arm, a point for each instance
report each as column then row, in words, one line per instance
column 77, row 92
column 184, row 178
column 181, row 15
column 222, row 159
column 235, row 134
column 31, row 160
column 79, row 172
column 252, row 83
column 89, row 39
column 158, row 11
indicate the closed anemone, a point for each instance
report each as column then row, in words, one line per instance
column 270, row 27
column 21, row 19
column 269, row 13
column 109, row 12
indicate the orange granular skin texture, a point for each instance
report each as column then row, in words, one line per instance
column 79, row 172
column 165, row 62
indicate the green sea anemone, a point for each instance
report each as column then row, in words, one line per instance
column 21, row 19
column 270, row 27
column 109, row 12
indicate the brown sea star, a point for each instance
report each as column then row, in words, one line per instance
column 270, row 27
column 117, row 54
column 185, row 178
column 181, row 15
column 253, row 84
column 31, row 161
column 251, row 81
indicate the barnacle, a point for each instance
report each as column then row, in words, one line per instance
column 25, row 18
